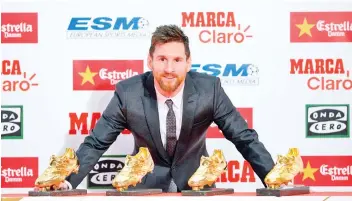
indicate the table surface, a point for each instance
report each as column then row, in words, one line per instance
column 245, row 196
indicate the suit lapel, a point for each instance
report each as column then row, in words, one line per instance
column 152, row 116
column 190, row 99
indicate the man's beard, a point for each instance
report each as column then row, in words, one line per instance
column 169, row 85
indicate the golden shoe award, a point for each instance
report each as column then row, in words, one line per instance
column 208, row 172
column 284, row 171
column 136, row 167
column 48, row 183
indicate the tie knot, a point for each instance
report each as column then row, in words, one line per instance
column 169, row 103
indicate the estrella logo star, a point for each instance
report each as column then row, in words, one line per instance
column 308, row 172
column 88, row 76
column 305, row 28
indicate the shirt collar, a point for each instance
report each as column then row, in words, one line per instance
column 177, row 100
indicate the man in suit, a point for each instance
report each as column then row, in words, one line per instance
column 167, row 104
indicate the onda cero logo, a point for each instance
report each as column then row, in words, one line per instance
column 104, row 171
column 11, row 122
column 327, row 121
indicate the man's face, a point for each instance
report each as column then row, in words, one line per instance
column 169, row 65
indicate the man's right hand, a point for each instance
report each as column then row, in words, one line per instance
column 63, row 186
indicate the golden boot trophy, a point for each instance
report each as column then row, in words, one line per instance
column 60, row 167
column 286, row 168
column 209, row 170
column 136, row 167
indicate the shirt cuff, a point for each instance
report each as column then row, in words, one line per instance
column 69, row 185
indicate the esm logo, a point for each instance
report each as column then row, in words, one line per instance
column 231, row 74
column 84, row 122
column 107, row 27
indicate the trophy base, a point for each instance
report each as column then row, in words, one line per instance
column 134, row 192
column 72, row 192
column 207, row 192
column 285, row 191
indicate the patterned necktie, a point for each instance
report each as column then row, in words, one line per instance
column 171, row 138
column 170, row 129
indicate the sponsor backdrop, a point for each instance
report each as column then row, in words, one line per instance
column 285, row 66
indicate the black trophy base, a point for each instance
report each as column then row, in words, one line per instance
column 285, row 191
column 134, row 192
column 73, row 192
column 208, row 192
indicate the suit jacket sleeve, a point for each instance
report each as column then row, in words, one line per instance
column 236, row 130
column 105, row 132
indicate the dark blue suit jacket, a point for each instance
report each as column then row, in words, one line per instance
column 134, row 107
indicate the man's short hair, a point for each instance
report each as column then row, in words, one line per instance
column 169, row 33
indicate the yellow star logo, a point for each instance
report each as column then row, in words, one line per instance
column 308, row 172
column 305, row 28
column 87, row 76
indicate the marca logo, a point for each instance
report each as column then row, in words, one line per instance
column 231, row 74
column 84, row 122
column 326, row 73
column 11, row 122
column 246, row 113
column 19, row 172
column 12, row 74
column 103, row 74
column 326, row 121
column 216, row 27
column 321, row 27
column 107, row 27
column 326, row 171
column 19, row 28
column 104, row 171
column 237, row 172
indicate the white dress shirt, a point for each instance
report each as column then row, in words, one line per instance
column 163, row 109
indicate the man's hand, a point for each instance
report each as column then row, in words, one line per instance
column 62, row 186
